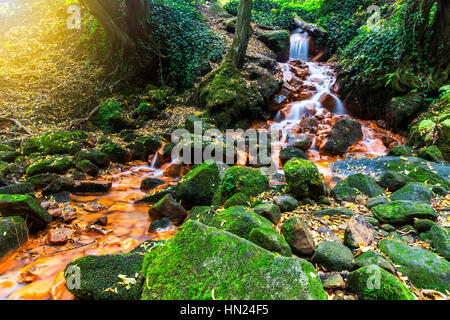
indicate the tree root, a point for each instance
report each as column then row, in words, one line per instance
column 16, row 122
column 80, row 123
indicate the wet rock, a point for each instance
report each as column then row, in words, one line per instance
column 440, row 240
column 115, row 153
column 18, row 188
column 199, row 185
column 145, row 146
column 373, row 258
column 87, row 167
column 129, row 135
column 423, row 268
column 304, row 179
column 358, row 231
column 345, row 194
column 405, row 151
column 334, row 282
column 367, row 185
column 374, row 283
column 151, row 183
column 343, row 135
column 168, row 207
column 310, row 123
column 102, row 221
column 289, row 153
column 31, row 145
column 338, row 211
column 59, row 237
column 419, row 192
column 60, row 197
column 203, row 124
column 97, row 157
column 214, row 253
column 302, row 142
column 69, row 216
column 55, row 164
column 13, row 233
column 394, row 180
column 373, row 202
column 91, row 187
column 269, row 211
column 403, row 212
column 286, row 203
column 238, row 199
column 328, row 101
column 42, row 180
column 431, row 153
column 62, row 142
column 55, row 213
column 58, row 185
column 333, row 256
column 176, row 169
column 296, row 232
column 271, row 240
column 156, row 196
column 159, row 224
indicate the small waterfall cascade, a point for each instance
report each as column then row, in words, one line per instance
column 299, row 45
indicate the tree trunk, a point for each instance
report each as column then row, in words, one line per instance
column 439, row 55
column 238, row 49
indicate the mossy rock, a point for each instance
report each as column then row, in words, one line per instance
column 278, row 41
column 55, row 164
column 403, row 212
column 421, row 174
column 203, row 263
column 249, row 181
column 109, row 117
column 202, row 214
column 403, row 109
column 62, row 142
column 345, row 194
column 367, row 185
column 431, row 153
column 97, row 157
column 106, row 277
column 31, row 145
column 5, row 147
column 338, row 211
column 9, row 156
column 202, row 123
column 238, row 199
column 401, row 151
column 304, row 179
column 423, row 268
column 157, row 195
column 373, row 258
column 269, row 211
column 289, row 153
column 116, row 153
column 374, row 283
column 296, row 232
column 333, row 256
column 286, row 203
column 87, row 167
column 270, row 239
column 151, row 183
column 343, row 135
column 198, row 186
column 143, row 147
column 423, row 225
column 416, row 191
column 18, row 188
column 440, row 240
column 13, row 233
column 394, row 180
column 146, row 111
column 42, row 179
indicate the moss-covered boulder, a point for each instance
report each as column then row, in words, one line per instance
column 394, row 180
column 201, row 262
column 54, row 164
column 9, row 156
column 422, row 174
column 337, row 211
column 151, row 183
column 18, row 188
column 31, row 145
column 431, row 153
column 401, row 151
column 146, row 111
column 403, row 109
column 238, row 199
column 109, row 117
column 27, row 207
column 270, row 239
column 168, row 207
column 342, row 136
column 202, row 213
column 285, row 203
column 367, row 185
column 440, row 240
column 156, row 195
column 116, row 153
column 198, row 186
column 237, row 179
column 373, row 258
column 374, row 283
column 304, row 179
column 423, row 268
column 403, row 212
column 269, row 211
column 296, row 232
column 345, row 194
column 278, row 41
column 417, row 191
column 87, row 167
column 97, row 157
column 62, row 142
column 5, row 147
column 13, row 233
column 193, row 122
column 333, row 256
column 106, row 277
column 145, row 146
column 290, row 152
column 43, row 179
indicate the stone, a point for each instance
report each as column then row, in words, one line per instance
column 393, row 180
column 151, row 183
column 296, row 232
column 440, row 240
column 168, row 207
column 62, row 142
column 238, row 199
column 58, row 185
column 290, row 152
column 285, row 203
column 270, row 239
column 373, row 258
column 431, row 153
column 269, row 211
column 55, row 164
column 343, row 135
column 403, row 212
column 27, row 207
column 87, row 167
column 18, row 188
column 373, row 202
column 304, row 179
column 13, row 233
column 91, row 187
column 358, row 231
column 42, row 180
column 102, row 221
column 401, row 151
column 328, row 101
column 347, row 194
column 278, row 41
column 224, row 266
column 116, row 153
column 333, row 256
column 97, row 157
column 423, row 268
column 417, row 191
column 302, row 142
column 367, row 185
column 159, row 224
column 110, row 117
column 423, row 225
column 143, row 147
column 374, row 283
column 338, row 211
column 334, row 282
column 157, row 195
column 9, row 156
column 59, row 237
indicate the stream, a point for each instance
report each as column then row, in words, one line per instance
column 35, row 270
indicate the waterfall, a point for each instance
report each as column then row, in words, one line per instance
column 299, row 45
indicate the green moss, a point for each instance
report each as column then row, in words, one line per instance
column 31, row 145
column 116, row 153
column 373, row 258
column 238, row 199
column 61, row 142
column 55, row 164
column 333, row 256
column 431, row 153
column 146, row 111
column 270, row 239
column 97, row 157
column 109, row 117
column 403, row 212
column 9, row 156
column 304, row 179
column 363, row 183
column 416, row 191
column 13, row 233
column 145, row 146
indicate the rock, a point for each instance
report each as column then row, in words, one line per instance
column 423, row 268
column 387, row 227
column 202, row 213
column 421, row 174
column 58, row 185
column 43, row 179
column 269, row 211
column 345, row 194
column 278, row 41
column 271, row 240
column 156, row 196
column 304, row 179
column 203, row 124
column 286, row 203
column 403, row 212
column 143, row 147
column 302, row 142
column 431, row 153
column 393, row 180
column 334, row 282
column 440, row 240
column 27, row 207
column 358, row 231
column 374, row 283
column 87, row 167
column 116, row 153
column 59, row 237
column 289, row 153
column 91, row 187
column 151, row 183
column 313, row 29
column 373, row 258
column 105, row 277
column 296, row 232
column 129, row 135
column 55, row 164
column 373, row 202
column 328, row 102
column 69, row 217
column 217, row 256
column 30, row 146
column 60, row 197
column 159, row 224
column 18, row 188
column 338, row 211
column 13, row 233
column 168, row 207
column 374, row 222
column 109, row 117
column 239, row 199
column 333, row 256
column 198, row 186
column 343, row 135
column 404, row 151
column 98, row 158
column 9, row 156
column 146, row 111
column 62, row 142
column 419, row 192
column 247, row 180
column 102, row 221
column 367, row 185
column 423, row 225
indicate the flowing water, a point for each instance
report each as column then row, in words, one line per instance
column 35, row 271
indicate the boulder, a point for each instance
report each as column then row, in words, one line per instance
column 285, row 203
column 348, row 194
column 159, row 224
column 43, row 179
column 13, row 233
column 373, row 258
column 62, row 142
column 374, row 283
column 269, row 211
column 338, row 211
column 143, row 147
column 87, row 167
column 304, row 179
column 58, row 185
column 343, row 135
column 91, row 187
column 367, row 185
column 289, row 153
column 18, row 188
column 440, row 240
column 394, row 180
column 109, row 117
column 115, row 153
column 224, row 266
column 168, row 207
column 333, row 256
column 55, row 164
column 403, row 212
column 9, row 156
column 278, row 41
column 302, row 142
column 419, row 192
column 401, row 151
column 358, row 231
column 270, row 239
column 146, row 111
column 328, row 101
column 97, row 157
column 373, row 202
column 296, row 232
column 423, row 268
column 239, row 199
column 157, row 195
column 151, row 183
column 431, row 153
